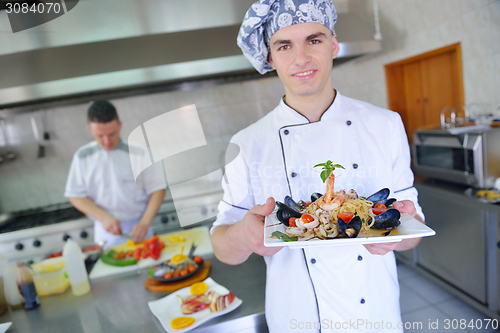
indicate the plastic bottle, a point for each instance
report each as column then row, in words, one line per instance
column 11, row 289
column 27, row 286
column 75, row 266
column 3, row 301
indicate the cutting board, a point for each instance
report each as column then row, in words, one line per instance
column 200, row 236
column 167, row 287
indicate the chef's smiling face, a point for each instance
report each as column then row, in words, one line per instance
column 302, row 55
column 106, row 134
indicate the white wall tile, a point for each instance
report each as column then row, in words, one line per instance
column 477, row 40
column 449, row 32
column 497, row 84
column 480, row 72
column 495, row 24
column 468, row 5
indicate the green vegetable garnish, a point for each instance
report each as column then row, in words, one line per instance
column 283, row 237
column 328, row 168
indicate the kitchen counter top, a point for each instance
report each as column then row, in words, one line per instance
column 119, row 304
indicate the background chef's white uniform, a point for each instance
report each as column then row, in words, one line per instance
column 327, row 287
column 107, row 179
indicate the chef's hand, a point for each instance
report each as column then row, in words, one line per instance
column 139, row 231
column 252, row 229
column 112, row 225
column 404, row 206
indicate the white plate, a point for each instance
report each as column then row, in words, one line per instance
column 409, row 228
column 4, row 327
column 169, row 307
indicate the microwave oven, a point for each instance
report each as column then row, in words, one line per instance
column 470, row 158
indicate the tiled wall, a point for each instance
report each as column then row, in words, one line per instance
column 409, row 28
column 413, row 27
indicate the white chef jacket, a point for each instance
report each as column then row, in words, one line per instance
column 107, row 179
column 339, row 288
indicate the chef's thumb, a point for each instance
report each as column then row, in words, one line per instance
column 264, row 209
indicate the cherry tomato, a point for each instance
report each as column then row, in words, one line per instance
column 378, row 211
column 184, row 272
column 191, row 268
column 155, row 250
column 168, row 275
column 307, row 218
column 197, row 260
column 130, row 253
column 177, row 272
column 292, row 222
column 346, row 216
column 379, row 208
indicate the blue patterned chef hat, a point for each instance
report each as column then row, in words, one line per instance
column 265, row 17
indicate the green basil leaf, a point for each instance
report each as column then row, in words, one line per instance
column 324, row 175
column 283, row 237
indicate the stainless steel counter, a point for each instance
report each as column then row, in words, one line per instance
column 119, row 304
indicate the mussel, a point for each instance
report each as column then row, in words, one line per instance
column 350, row 229
column 315, row 196
column 291, row 203
column 381, row 196
column 387, row 220
column 285, row 212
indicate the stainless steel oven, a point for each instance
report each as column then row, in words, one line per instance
column 466, row 157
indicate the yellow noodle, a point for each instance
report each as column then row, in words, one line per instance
column 358, row 206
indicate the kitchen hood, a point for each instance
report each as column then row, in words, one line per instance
column 117, row 45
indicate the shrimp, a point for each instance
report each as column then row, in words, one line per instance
column 330, row 200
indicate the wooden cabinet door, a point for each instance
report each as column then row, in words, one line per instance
column 439, row 86
column 412, row 82
column 430, row 82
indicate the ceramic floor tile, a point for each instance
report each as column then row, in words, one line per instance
column 427, row 289
column 428, row 319
column 404, row 272
column 459, row 310
column 410, row 301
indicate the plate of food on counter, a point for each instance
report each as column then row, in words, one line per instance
column 187, row 308
column 120, row 256
column 339, row 218
column 177, row 268
column 486, row 196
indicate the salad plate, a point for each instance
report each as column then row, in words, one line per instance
column 409, row 228
column 168, row 308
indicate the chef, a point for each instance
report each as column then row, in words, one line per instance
column 349, row 288
column 101, row 183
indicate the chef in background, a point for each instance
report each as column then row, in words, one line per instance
column 101, row 183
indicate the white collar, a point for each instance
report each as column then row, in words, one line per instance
column 290, row 116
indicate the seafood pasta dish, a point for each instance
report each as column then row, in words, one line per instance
column 338, row 214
